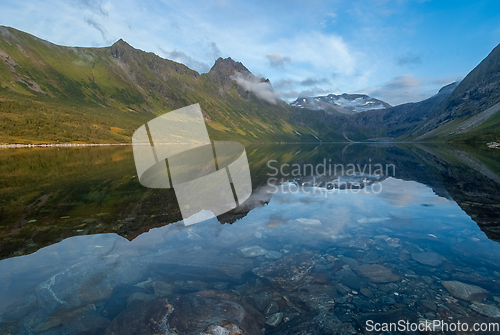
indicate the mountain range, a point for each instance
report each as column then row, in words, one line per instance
column 57, row 94
column 344, row 103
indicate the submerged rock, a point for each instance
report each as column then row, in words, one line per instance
column 347, row 277
column 91, row 280
column 465, row 291
column 188, row 314
column 193, row 314
column 139, row 297
column 224, row 328
column 275, row 319
column 271, row 254
column 289, row 272
column 272, row 308
column 253, row 251
column 486, row 310
column 84, row 320
column 428, row 258
column 259, row 301
column 143, row 319
column 376, row 273
column 161, row 288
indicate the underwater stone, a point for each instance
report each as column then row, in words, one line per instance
column 465, row 291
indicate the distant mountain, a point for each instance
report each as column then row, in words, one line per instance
column 345, row 103
column 395, row 122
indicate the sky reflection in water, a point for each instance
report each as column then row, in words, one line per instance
column 367, row 226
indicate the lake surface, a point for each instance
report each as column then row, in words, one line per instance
column 402, row 232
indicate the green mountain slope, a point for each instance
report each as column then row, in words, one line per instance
column 51, row 93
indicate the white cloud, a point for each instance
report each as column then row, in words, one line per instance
column 358, row 41
column 261, row 89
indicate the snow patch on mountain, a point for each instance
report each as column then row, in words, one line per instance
column 345, row 103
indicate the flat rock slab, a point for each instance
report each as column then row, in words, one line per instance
column 347, row 277
column 465, row 291
column 486, row 310
column 253, row 251
column 289, row 272
column 428, row 258
column 147, row 318
column 376, row 273
column 193, row 314
column 188, row 315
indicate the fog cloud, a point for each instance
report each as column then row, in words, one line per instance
column 262, row 90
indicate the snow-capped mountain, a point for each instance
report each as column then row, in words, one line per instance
column 345, row 103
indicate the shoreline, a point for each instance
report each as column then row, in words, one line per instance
column 58, row 145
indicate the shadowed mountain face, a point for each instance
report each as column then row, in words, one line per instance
column 398, row 121
column 464, row 111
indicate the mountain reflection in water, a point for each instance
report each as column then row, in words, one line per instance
column 410, row 246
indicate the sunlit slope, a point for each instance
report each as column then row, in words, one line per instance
column 52, row 93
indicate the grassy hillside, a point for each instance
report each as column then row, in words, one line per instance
column 52, row 94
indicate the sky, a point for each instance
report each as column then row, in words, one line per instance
column 395, row 50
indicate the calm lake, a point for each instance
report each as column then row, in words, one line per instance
column 335, row 239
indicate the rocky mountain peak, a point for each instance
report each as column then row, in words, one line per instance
column 225, row 68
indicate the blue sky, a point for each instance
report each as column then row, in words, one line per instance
column 395, row 50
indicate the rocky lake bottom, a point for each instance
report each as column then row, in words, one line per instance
column 302, row 264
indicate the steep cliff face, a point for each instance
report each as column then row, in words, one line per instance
column 468, row 107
